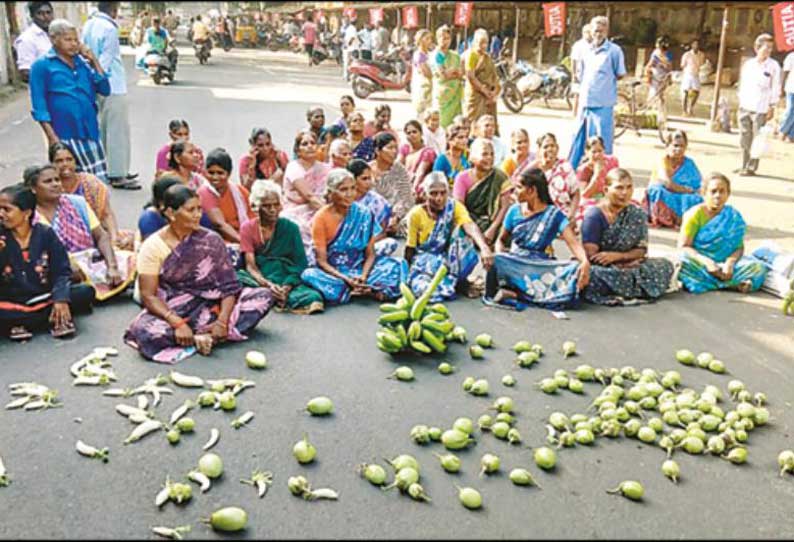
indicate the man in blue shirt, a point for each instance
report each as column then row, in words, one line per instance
column 602, row 65
column 101, row 35
column 64, row 84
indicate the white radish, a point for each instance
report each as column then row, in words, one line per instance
column 88, row 380
column 242, row 420
column 139, row 418
column 201, row 479
column 181, row 411
column 242, row 386
column 117, row 392
column 215, row 435
column 90, row 451
column 186, row 381
column 163, row 496
column 18, row 403
column 36, row 405
column 103, row 351
column 143, row 402
column 322, row 493
column 4, row 479
column 143, row 429
column 75, row 367
column 129, row 410
column 168, row 532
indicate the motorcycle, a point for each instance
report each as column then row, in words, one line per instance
column 393, row 72
column 326, row 48
column 276, row 42
column 158, row 66
column 202, row 50
column 526, row 84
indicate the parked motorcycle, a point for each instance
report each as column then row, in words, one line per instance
column 326, row 48
column 527, row 84
column 202, row 50
column 393, row 72
column 276, row 42
column 158, row 66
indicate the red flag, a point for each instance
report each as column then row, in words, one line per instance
column 350, row 13
column 783, row 19
column 463, row 13
column 554, row 19
column 410, row 17
column 375, row 15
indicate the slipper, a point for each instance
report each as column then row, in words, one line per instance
column 122, row 184
column 65, row 331
column 20, row 333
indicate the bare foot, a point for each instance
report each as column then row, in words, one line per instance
column 504, row 294
column 744, row 287
column 203, row 344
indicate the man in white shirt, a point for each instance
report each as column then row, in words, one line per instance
column 365, row 42
column 349, row 44
column 34, row 42
column 578, row 51
column 759, row 92
column 787, row 125
column 380, row 40
column 690, row 76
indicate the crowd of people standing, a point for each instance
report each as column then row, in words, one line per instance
column 322, row 222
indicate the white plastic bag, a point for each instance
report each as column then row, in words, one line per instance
column 761, row 141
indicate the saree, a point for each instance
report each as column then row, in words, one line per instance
column 193, row 280
column 614, row 285
column 281, row 260
column 347, row 252
column 72, row 225
column 718, row 239
column 475, row 104
column 447, row 93
column 295, row 208
column 482, row 199
column 529, row 270
column 446, row 245
column 665, row 208
column 378, row 206
column 96, row 194
column 396, row 187
column 421, row 86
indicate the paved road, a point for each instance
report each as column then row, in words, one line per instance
column 55, row 493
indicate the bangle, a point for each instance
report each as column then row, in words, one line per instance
column 180, row 323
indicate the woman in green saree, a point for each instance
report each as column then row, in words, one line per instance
column 482, row 80
column 274, row 253
column 447, row 77
column 484, row 189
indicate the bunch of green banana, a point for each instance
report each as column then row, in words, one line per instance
column 413, row 323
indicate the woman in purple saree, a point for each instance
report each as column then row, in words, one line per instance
column 191, row 296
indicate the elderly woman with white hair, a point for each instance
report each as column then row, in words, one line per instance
column 339, row 153
column 274, row 253
column 440, row 231
column 484, row 189
column 482, row 80
column 344, row 235
column 64, row 84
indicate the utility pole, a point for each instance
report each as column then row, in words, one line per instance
column 718, row 77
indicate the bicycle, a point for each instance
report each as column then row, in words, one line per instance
column 628, row 113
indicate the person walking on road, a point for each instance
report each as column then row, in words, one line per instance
column 64, row 84
column 787, row 125
column 690, row 78
column 759, row 91
column 365, row 42
column 578, row 51
column 309, row 37
column 101, row 35
column 34, row 42
column 603, row 65
column 482, row 82
column 349, row 44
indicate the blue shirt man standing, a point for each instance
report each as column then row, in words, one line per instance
column 64, row 84
column 602, row 66
column 101, row 35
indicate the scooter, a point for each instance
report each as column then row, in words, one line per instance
column 527, row 84
column 202, row 50
column 158, row 66
column 391, row 73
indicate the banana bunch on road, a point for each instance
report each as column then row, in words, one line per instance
column 788, row 301
column 412, row 323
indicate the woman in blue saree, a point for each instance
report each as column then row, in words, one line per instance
column 344, row 234
column 712, row 245
column 528, row 272
column 615, row 238
column 440, row 231
column 674, row 187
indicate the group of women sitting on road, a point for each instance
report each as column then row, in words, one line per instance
column 320, row 225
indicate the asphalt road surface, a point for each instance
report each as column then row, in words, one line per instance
column 56, row 493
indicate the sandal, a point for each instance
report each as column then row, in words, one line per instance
column 19, row 333
column 65, row 331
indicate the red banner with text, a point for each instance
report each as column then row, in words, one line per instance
column 463, row 12
column 410, row 17
column 375, row 15
column 783, row 20
column 554, row 19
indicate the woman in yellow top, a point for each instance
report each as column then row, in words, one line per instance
column 482, row 82
column 437, row 234
column 520, row 156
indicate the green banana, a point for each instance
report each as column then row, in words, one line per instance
column 434, row 317
column 420, row 347
column 390, row 307
column 439, row 327
column 387, row 344
column 788, row 301
column 407, row 293
column 400, row 330
column 433, row 342
column 439, row 308
column 418, row 308
column 389, row 338
column 391, row 317
column 403, row 304
column 414, row 331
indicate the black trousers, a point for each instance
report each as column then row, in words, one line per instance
column 82, row 298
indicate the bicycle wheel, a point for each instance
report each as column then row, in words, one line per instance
column 623, row 115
